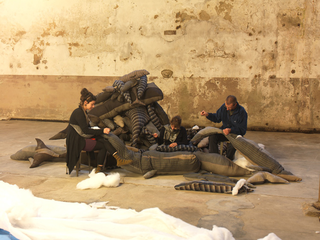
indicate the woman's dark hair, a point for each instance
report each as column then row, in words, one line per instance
column 176, row 121
column 86, row 96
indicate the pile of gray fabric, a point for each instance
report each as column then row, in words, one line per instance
column 130, row 109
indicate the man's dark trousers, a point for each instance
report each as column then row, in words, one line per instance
column 214, row 139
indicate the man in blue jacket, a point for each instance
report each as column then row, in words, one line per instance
column 234, row 120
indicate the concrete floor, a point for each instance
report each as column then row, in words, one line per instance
column 276, row 208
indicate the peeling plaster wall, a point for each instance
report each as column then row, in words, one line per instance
column 265, row 52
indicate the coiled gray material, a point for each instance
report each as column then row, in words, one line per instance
column 162, row 115
column 148, row 135
column 139, row 118
column 128, row 85
column 182, row 147
column 211, row 177
column 259, row 156
column 127, row 97
column 118, row 85
column 153, row 116
column 113, row 107
column 142, row 85
column 207, row 186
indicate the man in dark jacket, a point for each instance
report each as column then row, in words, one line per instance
column 234, row 120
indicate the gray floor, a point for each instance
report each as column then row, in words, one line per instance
column 276, row 208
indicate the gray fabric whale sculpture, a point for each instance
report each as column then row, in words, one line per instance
column 251, row 151
column 143, row 162
column 149, row 163
column 43, row 153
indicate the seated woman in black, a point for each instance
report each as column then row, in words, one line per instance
column 76, row 143
column 172, row 135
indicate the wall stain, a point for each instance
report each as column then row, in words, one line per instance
column 48, row 30
column 204, row 16
column 184, row 101
column 20, row 33
column 71, row 45
column 14, row 39
column 269, row 61
column 288, row 21
column 37, row 58
column 214, row 50
column 74, row 44
column 292, row 20
column 224, row 9
column 184, row 16
column 37, row 50
column 212, row 85
column 85, row 30
column 59, row 33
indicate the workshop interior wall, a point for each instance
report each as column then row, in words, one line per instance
column 198, row 52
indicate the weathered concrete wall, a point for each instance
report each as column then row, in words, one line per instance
column 264, row 52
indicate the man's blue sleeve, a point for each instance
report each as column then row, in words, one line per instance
column 215, row 117
column 240, row 127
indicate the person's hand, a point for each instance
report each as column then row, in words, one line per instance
column 204, row 113
column 173, row 144
column 155, row 135
column 226, row 131
column 106, row 130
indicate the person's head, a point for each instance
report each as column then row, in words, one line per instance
column 87, row 99
column 175, row 122
column 231, row 102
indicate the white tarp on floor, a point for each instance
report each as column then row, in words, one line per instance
column 28, row 217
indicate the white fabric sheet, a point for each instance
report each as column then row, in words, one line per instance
column 28, row 217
